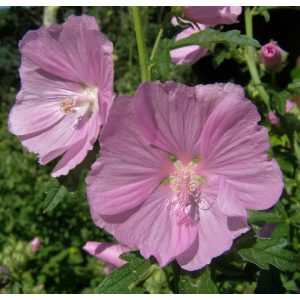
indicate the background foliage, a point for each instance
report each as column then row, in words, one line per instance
column 61, row 266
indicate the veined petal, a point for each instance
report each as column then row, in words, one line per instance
column 129, row 168
column 153, row 228
column 215, row 236
column 234, row 146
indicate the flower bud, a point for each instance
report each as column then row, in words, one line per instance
column 273, row 119
column 107, row 252
column 272, row 56
column 35, row 244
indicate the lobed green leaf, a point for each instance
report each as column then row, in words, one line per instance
column 266, row 252
column 125, row 278
column 199, row 282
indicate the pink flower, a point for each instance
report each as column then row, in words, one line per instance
column 213, row 15
column 273, row 119
column 272, row 56
column 179, row 167
column 188, row 54
column 67, row 90
column 35, row 244
column 107, row 252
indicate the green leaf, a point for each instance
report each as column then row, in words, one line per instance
column 199, row 282
column 266, row 252
column 220, row 55
column 295, row 74
column 264, row 216
column 125, row 278
column 208, row 37
column 280, row 100
column 162, row 61
column 55, row 194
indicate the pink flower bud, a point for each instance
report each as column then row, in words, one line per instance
column 107, row 252
column 213, row 15
column 273, row 119
column 35, row 244
column 289, row 105
column 272, row 56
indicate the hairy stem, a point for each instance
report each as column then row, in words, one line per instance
column 145, row 75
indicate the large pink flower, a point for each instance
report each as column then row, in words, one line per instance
column 67, row 90
column 179, row 167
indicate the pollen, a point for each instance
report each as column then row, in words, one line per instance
column 185, row 181
column 67, row 106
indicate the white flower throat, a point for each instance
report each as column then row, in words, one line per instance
column 84, row 103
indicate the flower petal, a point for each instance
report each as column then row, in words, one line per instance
column 215, row 235
column 107, row 252
column 129, row 168
column 153, row 228
column 78, row 151
column 33, row 116
column 171, row 116
column 234, row 146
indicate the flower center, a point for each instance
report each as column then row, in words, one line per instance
column 186, row 185
column 84, row 103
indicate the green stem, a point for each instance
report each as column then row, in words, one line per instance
column 155, row 47
column 140, row 43
column 250, row 58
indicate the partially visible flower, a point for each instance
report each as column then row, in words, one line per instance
column 107, row 252
column 289, row 105
column 66, row 91
column 179, row 166
column 273, row 119
column 188, row 54
column 35, row 244
column 272, row 56
column 213, row 15
column 267, row 230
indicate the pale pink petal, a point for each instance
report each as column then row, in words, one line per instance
column 107, row 252
column 229, row 200
column 41, row 49
column 213, row 15
column 171, row 116
column 153, row 228
column 234, row 146
column 189, row 54
column 168, row 118
column 215, row 236
column 78, row 151
column 33, row 116
column 131, row 168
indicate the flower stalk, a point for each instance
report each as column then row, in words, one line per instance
column 143, row 60
column 250, row 59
